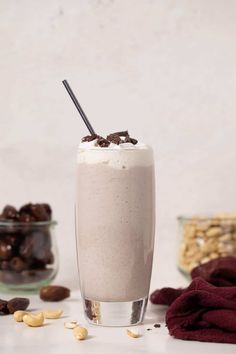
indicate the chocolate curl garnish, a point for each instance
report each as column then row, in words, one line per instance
column 130, row 140
column 89, row 138
column 103, row 142
column 124, row 133
column 114, row 138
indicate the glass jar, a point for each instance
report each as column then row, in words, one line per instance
column 28, row 255
column 204, row 239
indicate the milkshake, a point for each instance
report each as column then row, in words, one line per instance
column 115, row 221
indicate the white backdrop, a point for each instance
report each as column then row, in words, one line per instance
column 165, row 70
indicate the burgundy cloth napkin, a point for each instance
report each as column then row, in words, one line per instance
column 204, row 312
column 219, row 272
column 165, row 296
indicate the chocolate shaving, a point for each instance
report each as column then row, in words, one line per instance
column 124, row 133
column 103, row 142
column 89, row 138
column 114, row 138
column 128, row 139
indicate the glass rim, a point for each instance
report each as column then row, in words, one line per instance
column 31, row 223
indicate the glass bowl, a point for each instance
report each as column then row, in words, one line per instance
column 28, row 255
column 205, row 238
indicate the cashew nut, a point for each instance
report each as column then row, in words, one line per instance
column 71, row 324
column 33, row 320
column 133, row 334
column 18, row 315
column 52, row 314
column 80, row 333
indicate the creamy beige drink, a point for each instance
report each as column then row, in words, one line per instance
column 115, row 217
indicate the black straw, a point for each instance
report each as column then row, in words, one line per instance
column 78, row 106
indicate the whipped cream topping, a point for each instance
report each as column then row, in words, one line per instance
column 123, row 156
column 93, row 145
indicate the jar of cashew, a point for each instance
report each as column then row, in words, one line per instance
column 204, row 239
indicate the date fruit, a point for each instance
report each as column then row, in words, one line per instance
column 17, row 303
column 54, row 293
column 3, row 307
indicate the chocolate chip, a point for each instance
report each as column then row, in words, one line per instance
column 89, row 138
column 157, row 325
column 17, row 303
column 103, row 142
column 149, row 329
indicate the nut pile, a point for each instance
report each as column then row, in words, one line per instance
column 36, row 319
column 25, row 249
column 204, row 239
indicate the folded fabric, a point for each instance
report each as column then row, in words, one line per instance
column 219, row 272
column 165, row 296
column 204, row 312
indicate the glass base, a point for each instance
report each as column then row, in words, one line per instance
column 112, row 314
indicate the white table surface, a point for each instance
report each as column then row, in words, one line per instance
column 17, row 338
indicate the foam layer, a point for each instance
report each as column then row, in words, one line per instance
column 117, row 156
column 92, row 145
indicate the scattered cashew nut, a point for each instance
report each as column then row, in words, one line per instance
column 33, row 320
column 133, row 334
column 18, row 315
column 52, row 314
column 80, row 333
column 71, row 324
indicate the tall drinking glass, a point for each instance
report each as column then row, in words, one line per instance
column 115, row 224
